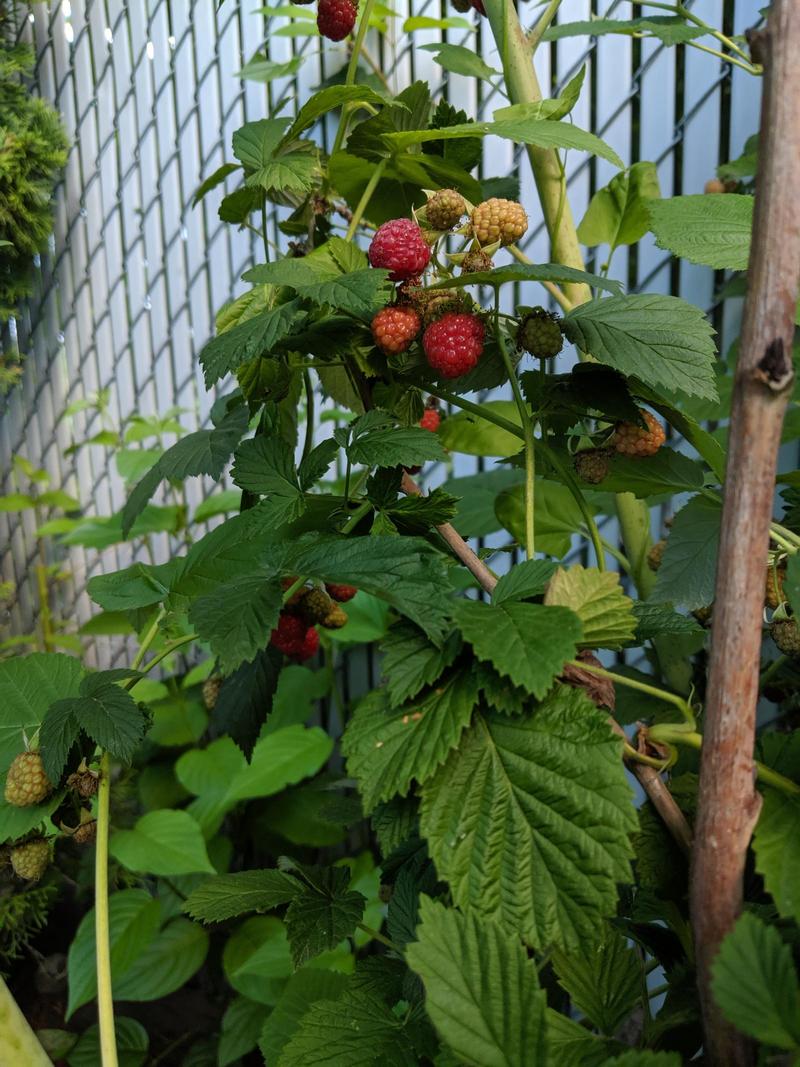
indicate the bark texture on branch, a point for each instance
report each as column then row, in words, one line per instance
column 728, row 802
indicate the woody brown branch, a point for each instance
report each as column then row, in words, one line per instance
column 728, row 801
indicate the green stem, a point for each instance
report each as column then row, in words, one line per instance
column 147, row 640
column 642, row 687
column 721, row 55
column 356, row 517
column 772, row 669
column 378, row 936
column 538, row 31
column 672, row 734
column 366, row 196
column 168, row 650
column 298, row 583
column 105, row 996
column 527, row 432
column 475, row 409
column 571, row 483
column 308, row 442
column 352, row 67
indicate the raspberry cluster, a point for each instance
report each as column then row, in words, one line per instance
column 399, row 247
column 394, row 328
column 631, row 439
column 27, row 783
column 454, row 344
column 540, row 334
column 336, row 18
column 497, row 220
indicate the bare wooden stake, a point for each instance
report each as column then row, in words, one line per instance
column 728, row 802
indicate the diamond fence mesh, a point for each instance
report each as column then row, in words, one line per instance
column 150, row 96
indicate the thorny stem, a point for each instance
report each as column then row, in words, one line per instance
column 539, row 30
column 527, row 432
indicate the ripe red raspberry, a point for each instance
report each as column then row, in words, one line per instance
column 294, row 637
column 454, row 344
column 430, row 420
column 342, row 593
column 399, row 246
column 336, row 18
column 633, row 440
column 395, row 328
column 26, row 782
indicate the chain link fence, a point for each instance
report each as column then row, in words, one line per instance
column 150, row 96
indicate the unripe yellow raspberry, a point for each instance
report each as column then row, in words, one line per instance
column 499, row 220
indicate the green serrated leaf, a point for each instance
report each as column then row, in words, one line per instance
column 28, row 686
column 667, row 29
column 388, row 749
column 138, row 586
column 229, row 895
column 618, row 213
column 481, row 989
column 661, row 340
column 689, row 564
column 665, row 472
column 533, row 272
column 460, row 60
column 528, row 643
column 245, row 699
column 302, row 990
column 255, row 336
column 597, row 599
column 526, row 579
column 323, row 913
column 236, row 618
column 753, row 981
column 411, row 661
column 529, row 820
column 777, row 859
column 603, row 979
column 712, row 230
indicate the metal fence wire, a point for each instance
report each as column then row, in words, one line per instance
column 150, row 96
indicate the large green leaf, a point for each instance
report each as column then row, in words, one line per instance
column 410, row 661
column 360, row 292
column 134, row 918
column 777, row 857
column 753, row 980
column 528, row 643
column 229, row 895
column 137, row 586
column 556, row 516
column 603, row 978
column 237, row 617
column 219, row 776
column 28, row 686
column 667, row 471
column 256, row 959
column 667, row 28
column 323, row 913
column 662, row 340
column 460, row 60
column 325, row 100
column 712, row 230
column 356, row 1030
column 254, row 337
column 376, row 442
column 474, row 436
column 167, row 963
column 387, row 749
column 245, row 699
column 688, row 567
column 201, row 452
column 162, row 842
column 302, row 990
column 475, row 515
column 481, row 989
column 617, row 214
column 529, row 820
column 526, row 579
column 240, row 1030
column 597, row 599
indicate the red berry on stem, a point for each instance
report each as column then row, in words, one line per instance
column 454, row 344
column 336, row 18
column 339, row 592
column 400, row 248
column 294, row 637
column 394, row 328
column 430, row 420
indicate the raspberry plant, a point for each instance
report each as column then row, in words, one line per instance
column 455, row 868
